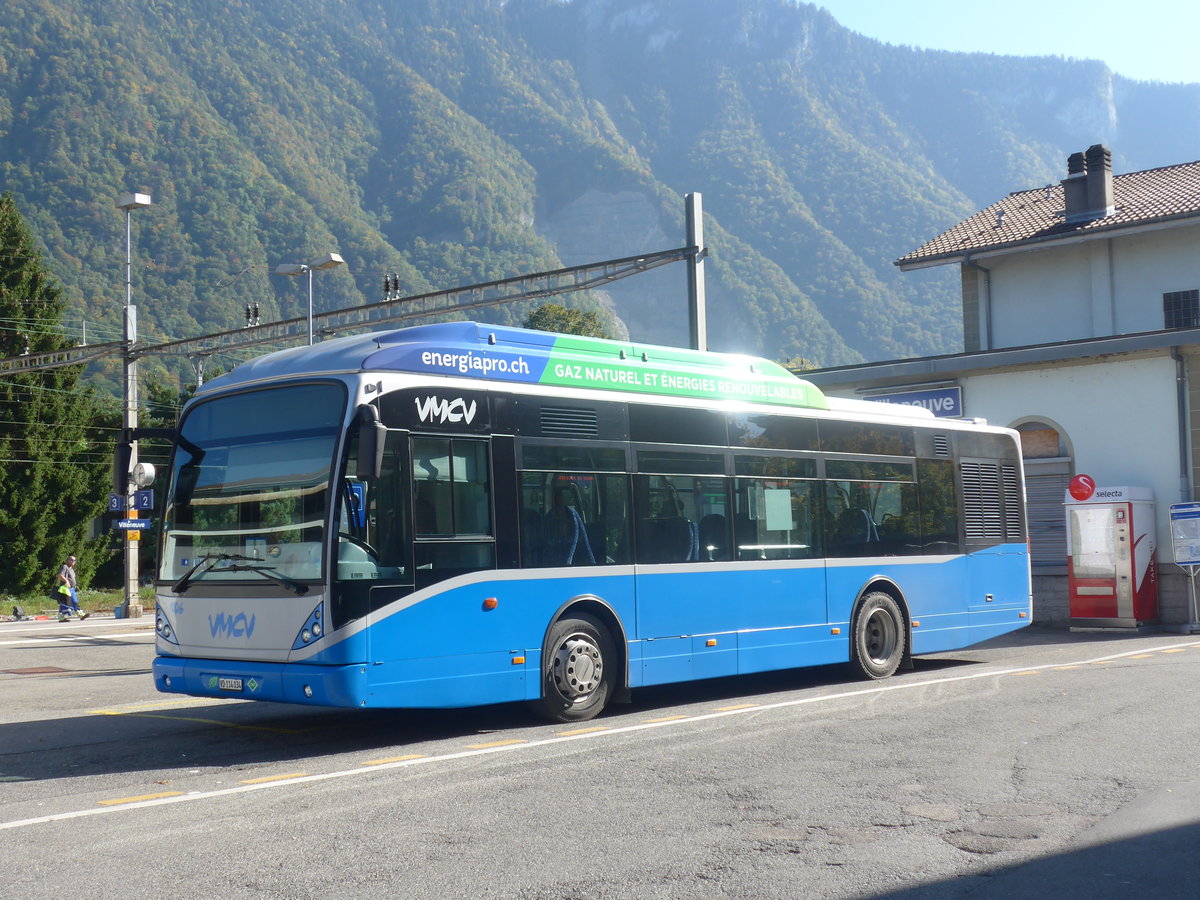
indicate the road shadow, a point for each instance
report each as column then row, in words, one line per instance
column 177, row 731
column 1162, row 864
column 180, row 731
column 1041, row 635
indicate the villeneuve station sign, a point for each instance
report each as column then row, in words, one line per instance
column 943, row 401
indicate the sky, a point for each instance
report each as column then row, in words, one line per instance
column 1150, row 40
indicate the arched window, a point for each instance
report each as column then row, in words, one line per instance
column 1049, row 465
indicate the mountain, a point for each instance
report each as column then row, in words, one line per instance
column 457, row 141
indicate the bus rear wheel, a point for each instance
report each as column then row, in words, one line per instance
column 577, row 670
column 879, row 636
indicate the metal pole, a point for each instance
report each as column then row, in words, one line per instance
column 697, row 316
column 1193, row 617
column 133, row 606
column 310, row 327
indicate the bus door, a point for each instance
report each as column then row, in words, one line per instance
column 452, row 507
column 777, row 527
column 448, row 485
column 688, row 611
column 373, row 558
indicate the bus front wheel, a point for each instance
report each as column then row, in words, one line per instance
column 879, row 636
column 577, row 670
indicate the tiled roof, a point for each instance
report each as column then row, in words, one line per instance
column 1139, row 198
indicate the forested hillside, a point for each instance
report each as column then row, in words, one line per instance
column 456, row 141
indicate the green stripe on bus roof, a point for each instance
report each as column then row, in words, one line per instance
column 675, row 371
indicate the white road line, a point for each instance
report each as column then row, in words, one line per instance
column 30, row 625
column 360, row 770
column 76, row 638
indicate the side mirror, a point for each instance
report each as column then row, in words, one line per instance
column 371, row 437
column 185, row 483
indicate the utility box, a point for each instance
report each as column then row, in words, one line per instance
column 1111, row 573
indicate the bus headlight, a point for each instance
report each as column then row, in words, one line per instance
column 311, row 630
column 162, row 625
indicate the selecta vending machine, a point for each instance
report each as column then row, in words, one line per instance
column 1111, row 573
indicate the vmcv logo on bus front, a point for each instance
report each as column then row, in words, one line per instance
column 435, row 409
column 231, row 626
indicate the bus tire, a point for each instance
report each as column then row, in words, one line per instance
column 879, row 636
column 578, row 669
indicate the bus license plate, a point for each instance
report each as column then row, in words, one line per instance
column 229, row 684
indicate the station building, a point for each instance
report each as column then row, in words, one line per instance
column 1081, row 328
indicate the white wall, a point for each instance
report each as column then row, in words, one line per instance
column 1090, row 289
column 1040, row 298
column 1148, row 265
column 1120, row 417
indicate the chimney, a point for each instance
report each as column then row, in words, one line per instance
column 1088, row 187
column 1099, row 180
column 1075, row 187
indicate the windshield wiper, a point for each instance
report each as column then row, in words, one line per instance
column 203, row 565
column 269, row 572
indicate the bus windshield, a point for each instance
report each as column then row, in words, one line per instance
column 249, row 492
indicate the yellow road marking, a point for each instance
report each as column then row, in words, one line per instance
column 392, row 759
column 665, row 719
column 269, row 778
column 591, row 730
column 739, row 706
column 1064, row 668
column 496, row 744
column 1172, row 650
column 1027, row 673
column 121, row 800
column 1141, row 656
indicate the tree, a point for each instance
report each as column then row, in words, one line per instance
column 55, row 453
column 558, row 319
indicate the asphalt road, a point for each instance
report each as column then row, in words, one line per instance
column 1047, row 764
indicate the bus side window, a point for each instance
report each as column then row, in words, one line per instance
column 451, row 493
column 778, row 519
column 451, row 501
column 573, row 519
column 670, row 512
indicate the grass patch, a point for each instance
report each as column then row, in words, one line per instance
column 90, row 601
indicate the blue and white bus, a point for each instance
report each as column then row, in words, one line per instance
column 461, row 514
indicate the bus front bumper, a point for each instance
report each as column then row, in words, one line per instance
column 344, row 686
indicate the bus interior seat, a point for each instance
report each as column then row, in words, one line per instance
column 712, row 538
column 567, row 543
column 666, row 540
column 533, row 536
column 745, row 536
column 424, row 508
column 853, row 528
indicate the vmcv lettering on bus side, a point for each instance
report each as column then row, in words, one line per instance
column 433, row 409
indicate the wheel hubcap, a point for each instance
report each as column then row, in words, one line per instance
column 880, row 636
column 578, row 667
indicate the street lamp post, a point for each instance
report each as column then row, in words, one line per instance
column 133, row 607
column 328, row 261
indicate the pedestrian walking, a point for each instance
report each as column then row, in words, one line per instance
column 68, row 597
